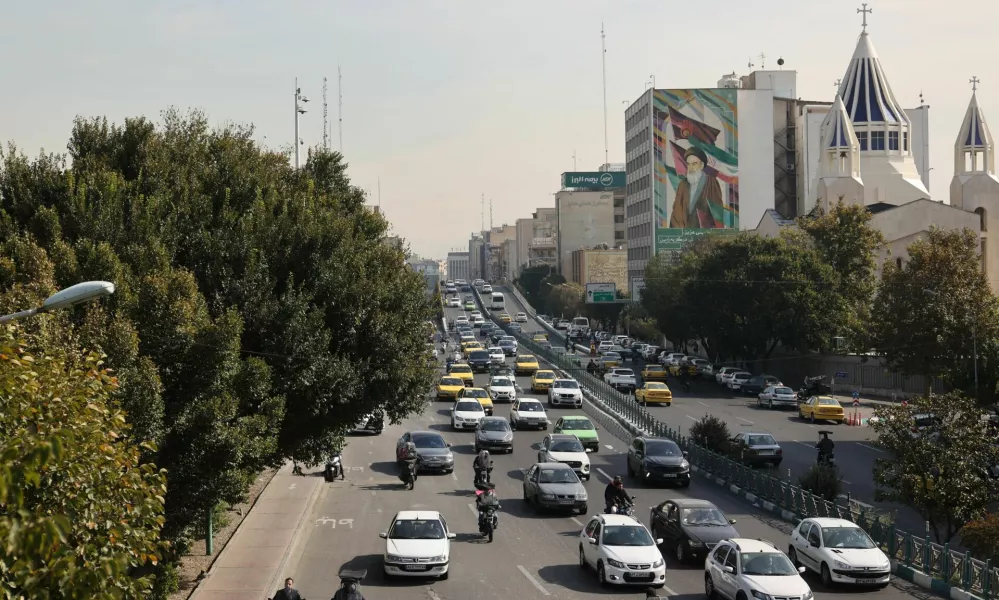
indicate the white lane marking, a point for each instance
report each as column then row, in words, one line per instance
column 432, row 595
column 475, row 513
column 453, row 476
column 576, row 521
column 878, row 450
column 704, row 404
column 601, row 471
column 608, row 446
column 691, row 418
column 533, row 580
column 804, row 444
column 379, row 510
column 292, row 486
column 669, row 591
column 846, row 482
column 372, row 492
column 745, row 420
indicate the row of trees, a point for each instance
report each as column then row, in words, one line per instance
column 818, row 287
column 550, row 292
column 258, row 316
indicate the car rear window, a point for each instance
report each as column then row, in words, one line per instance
column 480, row 354
column 761, row 440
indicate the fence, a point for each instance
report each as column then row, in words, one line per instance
column 953, row 568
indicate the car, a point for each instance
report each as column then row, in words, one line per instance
column 525, row 364
column 822, row 408
column 564, row 392
column 505, row 319
column 673, row 359
column 502, row 387
column 654, row 392
column 478, row 322
column 650, row 352
column 722, row 373
column 501, row 370
column 540, row 337
column 466, row 336
column 487, row 289
column 494, row 433
column 609, row 360
column 479, row 360
column 461, row 321
column 371, row 423
column 528, row 413
column 566, row 449
column 653, row 372
column 521, row 317
column 840, row 552
column 542, row 380
column 478, row 394
column 453, row 302
column 475, row 314
column 756, row 449
column 514, row 327
column 744, row 568
column 737, row 380
column 690, row 527
column 462, row 372
column 582, row 428
column 556, row 486
column 622, row 551
column 417, row 544
column 757, row 383
column 468, row 346
column 509, row 347
column 605, row 346
column 448, row 387
column 469, row 305
column 653, row 460
column 466, row 414
column 621, row 379
column 432, row 452
column 496, row 355
column 777, row 395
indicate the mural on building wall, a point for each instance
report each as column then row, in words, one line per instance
column 696, row 164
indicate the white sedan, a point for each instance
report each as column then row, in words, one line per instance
column 496, row 355
column 622, row 552
column 453, row 302
column 840, row 552
column 417, row 544
column 567, row 449
column 777, row 395
column 466, row 414
column 521, row 317
column 502, row 387
column 565, row 391
column 528, row 412
column 461, row 321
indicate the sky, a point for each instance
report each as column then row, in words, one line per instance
column 444, row 101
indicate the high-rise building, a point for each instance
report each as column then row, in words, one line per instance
column 590, row 208
column 457, row 266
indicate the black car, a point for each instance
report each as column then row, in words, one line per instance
column 690, row 528
column 479, row 361
column 652, row 460
column 497, row 370
column 755, row 385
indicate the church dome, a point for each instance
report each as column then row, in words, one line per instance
column 865, row 91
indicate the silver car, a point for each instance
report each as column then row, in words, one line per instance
column 494, row 433
column 777, row 395
column 554, row 485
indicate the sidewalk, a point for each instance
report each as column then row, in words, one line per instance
column 251, row 563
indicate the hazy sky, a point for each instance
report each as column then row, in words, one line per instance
column 445, row 101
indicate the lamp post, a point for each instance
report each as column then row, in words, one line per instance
column 71, row 296
column 974, row 339
column 299, row 110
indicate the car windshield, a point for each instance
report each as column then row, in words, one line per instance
column 741, row 376
column 571, row 385
column 461, row 369
column 558, row 476
column 576, row 424
column 662, row 448
column 846, row 538
column 625, row 373
column 612, row 355
column 627, row 535
column 428, row 440
column 761, row 440
column 507, row 343
column 530, row 407
column 767, row 564
column 502, row 382
column 829, row 402
column 544, row 375
column 495, row 425
column 567, row 446
column 476, row 393
column 525, row 359
column 417, row 529
column 495, row 350
column 651, row 368
column 783, row 391
column 470, row 406
column 452, row 381
column 703, row 517
column 479, row 354
column 655, row 386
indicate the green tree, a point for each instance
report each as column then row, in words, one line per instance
column 929, row 311
column 711, row 433
column 982, row 537
column 941, row 470
column 529, row 282
column 80, row 513
column 565, row 299
column 665, row 298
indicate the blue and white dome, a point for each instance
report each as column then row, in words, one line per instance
column 865, row 91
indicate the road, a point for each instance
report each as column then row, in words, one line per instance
column 533, row 555
column 855, row 450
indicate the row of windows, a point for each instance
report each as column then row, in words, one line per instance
column 640, row 116
column 642, row 160
column 639, row 140
column 639, row 208
column 643, row 253
column 619, row 218
column 640, row 231
column 618, row 201
column 876, row 140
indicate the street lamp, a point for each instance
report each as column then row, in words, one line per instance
column 299, row 110
column 974, row 339
column 71, row 296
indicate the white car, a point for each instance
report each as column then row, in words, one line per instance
column 475, row 314
column 623, row 552
column 417, row 544
column 565, row 392
column 461, row 321
column 453, row 302
column 741, row 567
column 566, row 449
column 521, row 317
column 477, row 321
column 840, row 552
column 502, row 387
column 528, row 412
column 777, row 395
column 727, row 377
column 604, row 346
column 466, row 414
column 649, row 352
column 673, row 359
column 735, row 383
column 723, row 372
column 496, row 355
column 487, row 289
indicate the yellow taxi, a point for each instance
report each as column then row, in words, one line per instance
column 449, row 386
column 467, row 347
column 542, row 380
column 462, row 372
column 479, row 394
column 654, row 392
column 654, row 373
column 821, row 408
column 540, row 337
column 505, row 318
column 525, row 364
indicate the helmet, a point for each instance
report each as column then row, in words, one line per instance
column 484, row 456
column 618, row 482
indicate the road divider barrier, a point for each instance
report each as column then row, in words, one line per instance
column 957, row 575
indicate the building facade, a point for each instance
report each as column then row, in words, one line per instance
column 496, row 258
column 476, row 256
column 596, row 265
column 585, row 220
column 457, row 266
column 541, row 249
column 511, row 260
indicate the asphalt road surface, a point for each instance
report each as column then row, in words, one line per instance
column 533, row 555
column 855, row 448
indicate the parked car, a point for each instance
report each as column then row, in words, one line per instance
column 777, row 395
column 757, row 383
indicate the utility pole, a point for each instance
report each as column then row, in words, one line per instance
column 326, row 137
column 482, row 213
column 379, row 192
column 339, row 108
column 573, row 160
column 603, row 56
column 490, row 214
column 300, row 100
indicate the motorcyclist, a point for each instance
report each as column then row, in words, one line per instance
column 288, row 592
column 409, row 459
column 685, row 378
column 487, row 500
column 334, row 467
column 350, row 586
column 615, row 495
column 591, row 367
column 481, row 463
column 826, row 447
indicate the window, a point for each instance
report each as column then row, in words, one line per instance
column 893, row 140
column 980, row 211
column 905, row 141
column 719, row 554
column 619, row 218
column 618, row 235
column 862, row 138
column 877, row 140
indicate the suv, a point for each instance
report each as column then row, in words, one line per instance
column 565, row 391
column 622, row 551
column 745, row 568
column 621, row 379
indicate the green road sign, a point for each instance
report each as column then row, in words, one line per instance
column 601, row 293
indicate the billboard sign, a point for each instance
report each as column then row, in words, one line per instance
column 696, row 163
column 601, row 293
column 677, row 239
column 595, row 181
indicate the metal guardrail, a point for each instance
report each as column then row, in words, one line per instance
column 957, row 569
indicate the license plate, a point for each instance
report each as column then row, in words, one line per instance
column 640, row 575
column 766, row 452
column 565, row 501
column 867, row 581
column 670, row 475
column 414, row 567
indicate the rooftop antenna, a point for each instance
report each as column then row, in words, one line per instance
column 763, row 61
column 379, row 192
column 865, row 11
column 751, row 65
column 326, row 137
column 482, row 213
column 838, row 83
column 603, row 57
column 921, row 97
column 490, row 214
column 339, row 107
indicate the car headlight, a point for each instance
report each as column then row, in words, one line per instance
column 807, row 596
column 615, row 563
column 582, row 496
column 886, row 564
column 761, row 596
column 547, row 495
column 440, row 558
column 695, row 543
column 841, row 565
column 586, row 467
column 449, row 457
column 393, row 558
column 657, row 564
column 508, row 437
column 684, row 464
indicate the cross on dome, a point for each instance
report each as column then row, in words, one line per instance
column 865, row 11
column 974, row 81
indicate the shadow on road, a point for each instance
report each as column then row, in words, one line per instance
column 385, row 468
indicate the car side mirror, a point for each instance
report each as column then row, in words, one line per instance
column 593, row 541
column 686, row 454
column 731, row 521
column 451, row 536
column 729, row 569
column 383, row 535
column 802, row 570
column 448, row 445
column 639, row 455
column 659, row 541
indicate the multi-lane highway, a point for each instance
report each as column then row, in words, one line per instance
column 533, row 555
column 855, row 450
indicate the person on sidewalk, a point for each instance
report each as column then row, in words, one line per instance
column 288, row 592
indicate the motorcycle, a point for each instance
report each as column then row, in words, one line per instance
column 488, row 519
column 408, row 474
column 626, row 509
column 334, row 468
column 825, row 458
column 350, row 588
column 483, row 476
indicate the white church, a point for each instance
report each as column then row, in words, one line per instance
column 866, row 156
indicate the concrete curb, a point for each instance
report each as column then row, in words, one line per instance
column 296, row 539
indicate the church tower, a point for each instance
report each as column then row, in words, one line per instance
column 882, row 128
column 839, row 164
